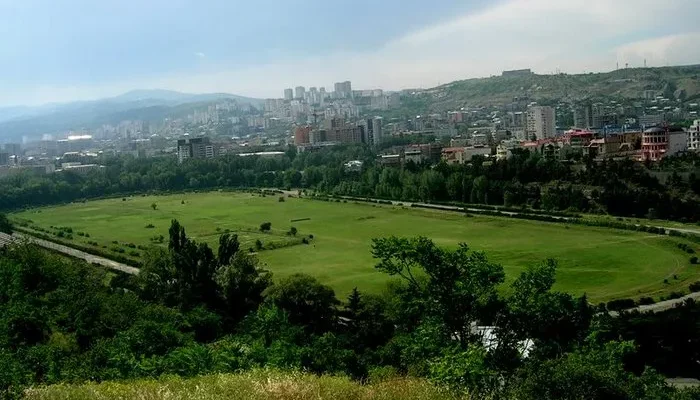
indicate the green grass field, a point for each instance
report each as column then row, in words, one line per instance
column 603, row 263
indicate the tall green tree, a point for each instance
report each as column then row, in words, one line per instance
column 460, row 286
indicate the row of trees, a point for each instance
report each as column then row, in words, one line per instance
column 618, row 187
column 193, row 311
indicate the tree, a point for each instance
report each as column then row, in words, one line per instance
column 228, row 248
column 556, row 321
column 460, row 285
column 5, row 224
column 265, row 227
column 293, row 231
column 242, row 284
column 154, row 206
column 308, row 302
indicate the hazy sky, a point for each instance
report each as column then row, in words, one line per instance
column 61, row 50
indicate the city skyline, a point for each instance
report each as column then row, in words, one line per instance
column 402, row 46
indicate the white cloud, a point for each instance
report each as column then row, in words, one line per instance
column 199, row 54
column 545, row 35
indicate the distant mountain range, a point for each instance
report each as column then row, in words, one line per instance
column 148, row 105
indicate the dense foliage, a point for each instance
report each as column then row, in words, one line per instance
column 621, row 188
column 192, row 311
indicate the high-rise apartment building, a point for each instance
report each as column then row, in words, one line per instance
column 343, row 90
column 373, row 131
column 194, row 148
column 299, row 92
column 540, row 122
column 288, row 94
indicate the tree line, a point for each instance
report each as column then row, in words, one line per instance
column 621, row 188
column 192, row 311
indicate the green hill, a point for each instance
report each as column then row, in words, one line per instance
column 680, row 82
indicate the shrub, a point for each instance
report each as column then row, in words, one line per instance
column 690, row 250
column 665, row 281
column 673, row 296
column 311, row 236
column 150, row 226
column 620, row 304
column 305, row 241
column 258, row 244
column 694, row 287
column 694, row 260
column 182, row 202
column 134, row 253
column 643, row 301
column 123, row 198
column 281, row 199
column 265, row 226
column 293, row 231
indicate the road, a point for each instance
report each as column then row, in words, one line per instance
column 90, row 258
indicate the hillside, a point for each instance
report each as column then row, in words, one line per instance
column 146, row 105
column 256, row 385
column 681, row 82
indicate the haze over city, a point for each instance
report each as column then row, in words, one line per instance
column 79, row 50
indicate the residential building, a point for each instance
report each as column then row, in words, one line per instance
column 302, row 135
column 194, row 148
column 4, row 158
column 343, row 90
column 288, row 94
column 583, row 116
column 14, row 149
column 299, row 92
column 81, row 169
column 660, row 142
column 694, row 136
column 540, row 122
column 647, row 121
column 372, row 131
column 502, row 152
column 461, row 155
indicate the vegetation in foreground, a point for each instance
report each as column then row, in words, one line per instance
column 255, row 385
column 193, row 312
column 603, row 263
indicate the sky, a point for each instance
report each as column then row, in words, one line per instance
column 66, row 50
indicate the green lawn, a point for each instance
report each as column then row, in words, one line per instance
column 601, row 262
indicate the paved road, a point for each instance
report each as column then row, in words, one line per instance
column 90, row 258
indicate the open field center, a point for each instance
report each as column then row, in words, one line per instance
column 604, row 263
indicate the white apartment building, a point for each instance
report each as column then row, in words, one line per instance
column 540, row 122
column 694, row 136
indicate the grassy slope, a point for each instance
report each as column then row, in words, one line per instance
column 601, row 262
column 258, row 385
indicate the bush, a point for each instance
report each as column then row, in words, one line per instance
column 311, row 236
column 694, row 287
column 694, row 260
column 673, row 296
column 690, row 250
column 620, row 304
column 293, row 231
column 305, row 241
column 258, row 244
column 134, row 253
column 265, row 226
column 281, row 199
column 643, row 301
column 150, row 226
